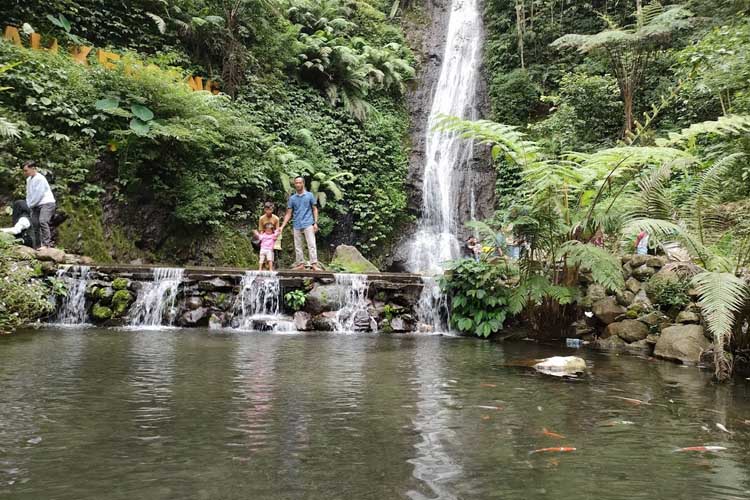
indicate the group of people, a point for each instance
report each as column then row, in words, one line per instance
column 302, row 210
column 31, row 218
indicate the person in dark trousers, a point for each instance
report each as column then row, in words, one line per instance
column 41, row 202
column 21, row 219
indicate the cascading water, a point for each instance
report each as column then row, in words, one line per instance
column 258, row 302
column 445, row 152
column 432, row 308
column 352, row 314
column 73, row 308
column 156, row 298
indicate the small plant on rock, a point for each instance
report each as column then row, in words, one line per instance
column 295, row 299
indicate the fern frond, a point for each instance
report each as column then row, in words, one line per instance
column 652, row 200
column 723, row 126
column 722, row 296
column 604, row 266
column 159, row 21
column 702, row 215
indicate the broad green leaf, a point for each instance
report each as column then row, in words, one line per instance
column 107, row 104
column 139, row 127
column 142, row 112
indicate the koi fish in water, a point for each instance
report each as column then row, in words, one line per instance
column 553, row 449
column 551, row 434
column 632, row 401
column 722, row 428
column 701, row 448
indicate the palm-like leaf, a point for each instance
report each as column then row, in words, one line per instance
column 722, row 296
column 605, row 267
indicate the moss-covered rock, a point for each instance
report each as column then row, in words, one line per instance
column 348, row 259
column 121, row 300
column 101, row 313
column 121, row 284
column 104, row 295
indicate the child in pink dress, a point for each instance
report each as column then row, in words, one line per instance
column 267, row 240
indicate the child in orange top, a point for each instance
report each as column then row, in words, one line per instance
column 267, row 240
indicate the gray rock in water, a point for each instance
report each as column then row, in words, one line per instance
column 194, row 317
column 640, row 347
column 51, row 255
column 362, row 322
column 216, row 321
column 324, row 298
column 607, row 310
column 688, row 317
column 561, row 366
column 303, row 321
column 633, row 285
column 610, row 344
column 629, row 330
column 214, row 284
column 325, row 322
column 683, row 343
column 193, row 303
column 350, row 260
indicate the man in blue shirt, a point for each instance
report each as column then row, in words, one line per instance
column 302, row 205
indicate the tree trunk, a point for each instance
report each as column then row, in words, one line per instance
column 520, row 27
column 627, row 99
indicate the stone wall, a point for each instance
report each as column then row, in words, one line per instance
column 633, row 320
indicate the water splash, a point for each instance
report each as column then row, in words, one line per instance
column 156, row 298
column 352, row 311
column 73, row 308
column 445, row 152
column 432, row 308
column 258, row 303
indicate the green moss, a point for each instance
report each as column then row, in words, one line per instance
column 101, row 313
column 120, row 283
column 104, row 295
column 233, row 248
column 121, row 301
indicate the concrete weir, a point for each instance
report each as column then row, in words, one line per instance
column 225, row 297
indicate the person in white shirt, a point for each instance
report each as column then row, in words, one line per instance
column 21, row 219
column 41, row 202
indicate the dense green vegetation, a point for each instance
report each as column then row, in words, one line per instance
column 642, row 128
column 147, row 168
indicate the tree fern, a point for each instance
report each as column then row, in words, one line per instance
column 723, row 126
column 605, row 268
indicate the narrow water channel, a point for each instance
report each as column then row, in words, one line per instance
column 109, row 414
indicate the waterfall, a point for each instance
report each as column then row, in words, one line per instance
column 446, row 153
column 73, row 308
column 352, row 313
column 258, row 303
column 156, row 298
column 432, row 308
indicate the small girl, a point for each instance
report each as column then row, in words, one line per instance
column 267, row 240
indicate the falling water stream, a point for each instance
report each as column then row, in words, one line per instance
column 257, row 305
column 445, row 152
column 73, row 308
column 156, row 298
column 352, row 312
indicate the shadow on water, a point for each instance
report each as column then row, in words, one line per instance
column 114, row 414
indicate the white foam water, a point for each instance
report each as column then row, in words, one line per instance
column 445, row 153
column 432, row 309
column 352, row 304
column 156, row 298
column 73, row 311
column 259, row 302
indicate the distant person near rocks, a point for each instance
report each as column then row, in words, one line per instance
column 21, row 220
column 41, row 202
column 302, row 206
column 641, row 243
column 269, row 217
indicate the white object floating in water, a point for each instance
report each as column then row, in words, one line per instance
column 722, row 428
column 561, row 366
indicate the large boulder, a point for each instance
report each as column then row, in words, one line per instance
column 595, row 292
column 193, row 302
column 656, row 261
column 639, row 260
column 214, row 284
column 655, row 320
column 610, row 344
column 625, row 297
column 325, row 322
column 633, row 285
column 643, row 272
column 121, row 301
column 325, row 298
column 683, row 343
column 629, row 330
column 641, row 347
column 688, row 317
column 101, row 313
column 348, row 259
column 607, row 310
column 561, row 366
column 196, row 317
column 50, row 255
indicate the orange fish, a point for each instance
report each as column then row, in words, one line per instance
column 554, row 449
column 551, row 434
column 487, row 385
column 631, row 400
column 702, row 448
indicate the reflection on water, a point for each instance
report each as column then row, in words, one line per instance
column 92, row 414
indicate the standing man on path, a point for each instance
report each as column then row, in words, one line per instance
column 302, row 205
column 41, row 202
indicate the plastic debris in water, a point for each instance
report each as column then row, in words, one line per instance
column 487, row 385
column 551, row 434
column 35, row 440
column 558, row 449
column 486, row 407
column 632, row 401
column 701, row 448
column 612, row 423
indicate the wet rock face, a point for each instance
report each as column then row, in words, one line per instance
column 683, row 343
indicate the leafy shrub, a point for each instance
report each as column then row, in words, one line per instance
column 668, row 291
column 514, row 96
column 479, row 296
column 23, row 297
column 295, row 299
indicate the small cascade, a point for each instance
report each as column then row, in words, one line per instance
column 156, row 298
column 258, row 303
column 432, row 308
column 352, row 314
column 73, row 308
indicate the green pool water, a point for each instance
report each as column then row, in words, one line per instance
column 177, row 414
